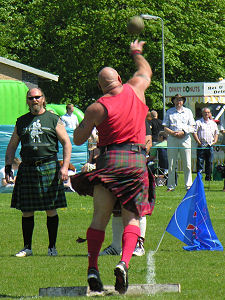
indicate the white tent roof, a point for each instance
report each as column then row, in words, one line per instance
column 26, row 68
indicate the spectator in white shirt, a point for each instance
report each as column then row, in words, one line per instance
column 70, row 119
column 179, row 124
column 206, row 135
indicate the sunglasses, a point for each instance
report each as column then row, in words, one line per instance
column 35, row 97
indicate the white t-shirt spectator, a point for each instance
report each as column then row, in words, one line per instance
column 70, row 121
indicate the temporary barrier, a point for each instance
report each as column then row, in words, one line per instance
column 78, row 156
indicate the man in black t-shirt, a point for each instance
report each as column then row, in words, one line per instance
column 39, row 182
column 156, row 126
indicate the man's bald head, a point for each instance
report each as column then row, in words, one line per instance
column 108, row 78
column 154, row 114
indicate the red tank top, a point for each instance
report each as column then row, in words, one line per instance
column 125, row 122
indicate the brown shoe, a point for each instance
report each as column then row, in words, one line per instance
column 170, row 190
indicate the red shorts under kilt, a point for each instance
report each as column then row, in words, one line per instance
column 125, row 174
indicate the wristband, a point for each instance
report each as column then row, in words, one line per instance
column 8, row 171
column 136, row 52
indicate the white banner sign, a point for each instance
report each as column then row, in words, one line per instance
column 214, row 89
column 190, row 89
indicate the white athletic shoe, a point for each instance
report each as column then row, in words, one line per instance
column 110, row 250
column 139, row 250
column 24, row 252
column 52, row 251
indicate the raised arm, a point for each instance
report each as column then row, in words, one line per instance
column 142, row 77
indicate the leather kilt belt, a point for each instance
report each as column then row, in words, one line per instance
column 39, row 162
column 139, row 148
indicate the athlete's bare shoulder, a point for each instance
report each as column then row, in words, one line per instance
column 95, row 107
column 96, row 111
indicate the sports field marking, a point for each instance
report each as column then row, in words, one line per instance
column 150, row 277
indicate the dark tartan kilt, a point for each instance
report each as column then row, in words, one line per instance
column 125, row 174
column 38, row 188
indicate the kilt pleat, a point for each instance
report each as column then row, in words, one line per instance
column 38, row 188
column 125, row 174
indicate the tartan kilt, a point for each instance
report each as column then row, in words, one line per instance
column 125, row 174
column 38, row 188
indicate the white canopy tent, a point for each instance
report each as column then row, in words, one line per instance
column 206, row 93
column 198, row 95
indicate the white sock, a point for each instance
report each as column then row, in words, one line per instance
column 117, row 232
column 143, row 223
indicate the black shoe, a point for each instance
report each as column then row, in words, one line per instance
column 94, row 280
column 121, row 274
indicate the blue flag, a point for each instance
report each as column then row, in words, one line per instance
column 191, row 222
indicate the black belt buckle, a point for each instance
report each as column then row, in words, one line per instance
column 38, row 162
column 135, row 148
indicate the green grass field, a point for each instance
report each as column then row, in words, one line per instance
column 201, row 274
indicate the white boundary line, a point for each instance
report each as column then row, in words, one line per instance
column 150, row 277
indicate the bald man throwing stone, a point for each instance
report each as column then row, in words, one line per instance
column 121, row 174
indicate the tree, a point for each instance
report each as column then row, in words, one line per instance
column 76, row 39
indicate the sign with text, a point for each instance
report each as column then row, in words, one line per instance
column 191, row 89
column 214, row 89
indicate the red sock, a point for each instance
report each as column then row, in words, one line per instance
column 95, row 239
column 129, row 241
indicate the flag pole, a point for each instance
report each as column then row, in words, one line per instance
column 160, row 242
column 209, row 185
